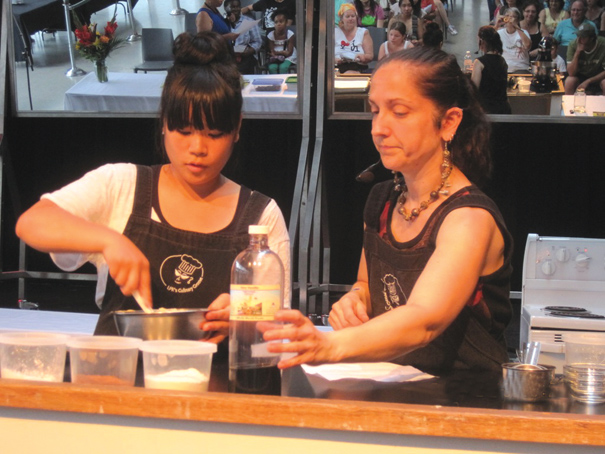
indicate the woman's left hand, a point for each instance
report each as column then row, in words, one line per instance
column 310, row 345
column 217, row 318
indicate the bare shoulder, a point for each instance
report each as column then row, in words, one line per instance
column 473, row 232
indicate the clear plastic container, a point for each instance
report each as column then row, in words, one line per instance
column 180, row 365
column 33, row 356
column 585, row 348
column 103, row 360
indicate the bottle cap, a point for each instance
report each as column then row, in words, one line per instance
column 258, row 229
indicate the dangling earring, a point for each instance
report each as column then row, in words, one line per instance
column 446, row 169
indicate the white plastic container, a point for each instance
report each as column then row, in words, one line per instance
column 104, row 360
column 180, row 365
column 33, row 356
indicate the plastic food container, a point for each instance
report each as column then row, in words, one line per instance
column 585, row 348
column 180, row 365
column 33, row 356
column 103, row 360
column 526, row 383
column 524, row 85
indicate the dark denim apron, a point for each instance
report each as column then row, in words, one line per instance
column 393, row 271
column 188, row 269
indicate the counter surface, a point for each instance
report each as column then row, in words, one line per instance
column 459, row 406
column 463, row 405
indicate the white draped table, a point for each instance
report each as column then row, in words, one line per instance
column 593, row 104
column 130, row 92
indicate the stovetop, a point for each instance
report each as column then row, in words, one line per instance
column 563, row 289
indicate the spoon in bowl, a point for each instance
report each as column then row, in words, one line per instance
column 139, row 299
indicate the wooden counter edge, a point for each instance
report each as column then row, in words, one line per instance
column 474, row 423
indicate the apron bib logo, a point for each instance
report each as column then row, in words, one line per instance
column 181, row 273
column 391, row 292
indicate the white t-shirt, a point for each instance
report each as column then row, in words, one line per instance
column 106, row 196
column 516, row 56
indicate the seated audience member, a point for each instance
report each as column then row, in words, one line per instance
column 490, row 73
column 501, row 11
column 594, row 13
column 550, row 17
column 353, row 46
column 247, row 44
column 282, row 45
column 268, row 7
column 369, row 13
column 413, row 25
column 586, row 56
column 337, row 5
column 433, row 36
column 396, row 40
column 566, row 30
column 559, row 61
column 434, row 10
column 531, row 25
column 515, row 42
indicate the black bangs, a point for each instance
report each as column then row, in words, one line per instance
column 191, row 97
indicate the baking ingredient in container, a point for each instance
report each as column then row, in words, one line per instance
column 179, row 380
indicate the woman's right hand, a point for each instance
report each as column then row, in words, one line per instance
column 128, row 267
column 348, row 311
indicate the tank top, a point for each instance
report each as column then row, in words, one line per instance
column 475, row 339
column 551, row 23
column 219, row 23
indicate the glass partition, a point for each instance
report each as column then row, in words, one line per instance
column 48, row 79
column 348, row 92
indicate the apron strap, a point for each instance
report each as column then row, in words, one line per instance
column 143, row 194
column 253, row 211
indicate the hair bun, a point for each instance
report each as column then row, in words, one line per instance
column 202, row 49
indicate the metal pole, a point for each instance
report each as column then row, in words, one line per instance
column 178, row 10
column 135, row 35
column 74, row 70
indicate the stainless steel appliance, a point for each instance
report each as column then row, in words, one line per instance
column 563, row 291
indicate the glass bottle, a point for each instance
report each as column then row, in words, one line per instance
column 579, row 101
column 468, row 62
column 257, row 292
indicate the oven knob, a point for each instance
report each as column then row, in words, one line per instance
column 562, row 254
column 548, row 267
column 582, row 261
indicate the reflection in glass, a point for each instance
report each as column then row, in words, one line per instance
column 350, row 91
column 50, row 56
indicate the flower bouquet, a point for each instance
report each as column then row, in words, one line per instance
column 95, row 46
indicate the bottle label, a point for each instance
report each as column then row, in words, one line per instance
column 254, row 302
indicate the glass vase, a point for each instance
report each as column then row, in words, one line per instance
column 101, row 70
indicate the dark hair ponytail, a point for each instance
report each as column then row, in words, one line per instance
column 491, row 38
column 439, row 78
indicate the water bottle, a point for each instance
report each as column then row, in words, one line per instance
column 257, row 292
column 579, row 101
column 468, row 62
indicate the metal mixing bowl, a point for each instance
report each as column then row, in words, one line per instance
column 162, row 325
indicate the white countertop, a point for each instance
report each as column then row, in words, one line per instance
column 47, row 321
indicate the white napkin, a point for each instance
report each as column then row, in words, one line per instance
column 384, row 372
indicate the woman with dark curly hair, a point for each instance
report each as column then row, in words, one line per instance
column 433, row 282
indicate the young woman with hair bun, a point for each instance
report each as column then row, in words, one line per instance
column 169, row 232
